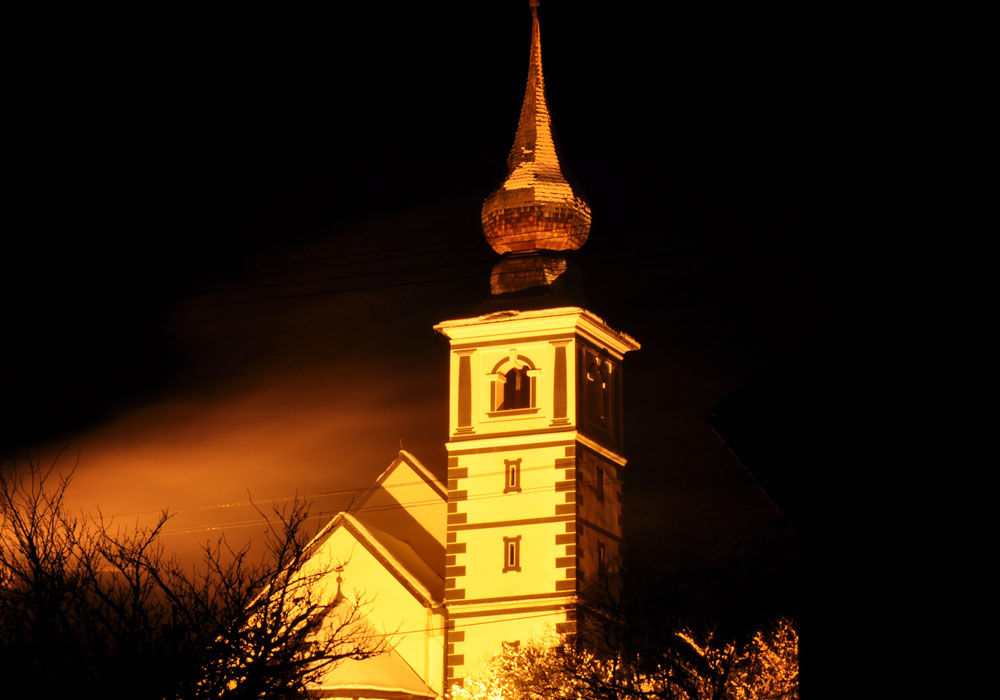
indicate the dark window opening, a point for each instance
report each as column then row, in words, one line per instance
column 516, row 390
column 598, row 394
column 600, row 484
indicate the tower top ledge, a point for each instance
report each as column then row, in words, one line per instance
column 538, row 322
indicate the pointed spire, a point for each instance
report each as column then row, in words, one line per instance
column 535, row 208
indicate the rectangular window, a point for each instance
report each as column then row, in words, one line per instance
column 600, row 484
column 511, row 554
column 600, row 557
column 512, row 475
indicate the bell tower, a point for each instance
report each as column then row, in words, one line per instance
column 535, row 449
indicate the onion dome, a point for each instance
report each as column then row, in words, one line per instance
column 535, row 208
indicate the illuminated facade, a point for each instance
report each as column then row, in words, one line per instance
column 534, row 474
column 531, row 514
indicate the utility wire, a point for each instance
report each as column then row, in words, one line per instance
column 376, row 252
column 338, row 261
column 550, row 613
column 312, row 496
column 371, row 509
column 324, row 292
column 439, row 278
column 348, row 258
column 338, row 278
column 331, row 292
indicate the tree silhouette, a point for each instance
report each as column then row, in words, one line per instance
column 103, row 612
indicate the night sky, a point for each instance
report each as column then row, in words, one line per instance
column 231, row 236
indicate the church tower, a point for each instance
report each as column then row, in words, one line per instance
column 535, row 452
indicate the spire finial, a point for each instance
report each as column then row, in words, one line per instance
column 535, row 208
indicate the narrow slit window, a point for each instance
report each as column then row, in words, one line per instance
column 512, row 475
column 511, row 554
column 600, row 558
column 600, row 484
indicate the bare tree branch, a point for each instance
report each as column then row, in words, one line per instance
column 90, row 607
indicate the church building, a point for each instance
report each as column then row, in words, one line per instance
column 531, row 512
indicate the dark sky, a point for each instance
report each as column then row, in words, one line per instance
column 231, row 235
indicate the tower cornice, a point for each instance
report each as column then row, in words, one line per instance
column 536, row 323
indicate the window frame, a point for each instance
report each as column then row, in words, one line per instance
column 512, row 475
column 512, row 550
column 498, row 380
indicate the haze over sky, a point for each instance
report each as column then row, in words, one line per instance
column 237, row 232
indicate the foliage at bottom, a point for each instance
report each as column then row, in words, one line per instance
column 686, row 667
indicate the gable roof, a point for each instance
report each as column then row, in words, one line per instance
column 403, row 458
column 396, row 556
column 410, row 504
column 401, row 555
column 383, row 523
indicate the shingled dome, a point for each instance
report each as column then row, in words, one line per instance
column 535, row 208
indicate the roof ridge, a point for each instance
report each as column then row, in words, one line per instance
column 360, row 529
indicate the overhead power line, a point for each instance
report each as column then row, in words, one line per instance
column 312, row 496
column 549, row 613
column 328, row 292
column 338, row 278
column 375, row 508
column 365, row 275
column 348, row 260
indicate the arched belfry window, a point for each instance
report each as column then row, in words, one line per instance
column 513, row 384
column 600, row 403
